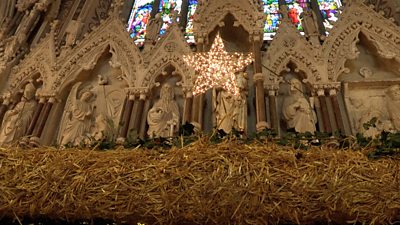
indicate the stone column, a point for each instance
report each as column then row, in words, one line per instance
column 142, row 132
column 126, row 117
column 187, row 111
column 273, row 109
column 139, row 113
column 36, row 116
column 3, row 110
column 324, row 110
column 320, row 21
column 260, row 102
column 336, row 110
column 38, row 130
column 197, row 99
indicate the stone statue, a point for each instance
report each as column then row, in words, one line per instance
column 76, row 123
column 16, row 121
column 363, row 115
column 240, row 116
column 297, row 111
column 225, row 110
column 163, row 117
column 101, row 129
column 231, row 111
column 393, row 105
column 154, row 27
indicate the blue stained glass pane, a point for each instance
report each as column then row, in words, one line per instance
column 190, row 16
column 166, row 9
column 139, row 18
column 330, row 11
column 271, row 9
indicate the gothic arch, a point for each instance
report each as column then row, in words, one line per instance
column 110, row 36
column 211, row 13
column 169, row 50
column 41, row 60
column 290, row 47
column 340, row 45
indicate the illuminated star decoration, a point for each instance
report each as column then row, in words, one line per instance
column 217, row 68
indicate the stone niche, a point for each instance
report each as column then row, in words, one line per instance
column 164, row 117
column 370, row 89
column 89, row 107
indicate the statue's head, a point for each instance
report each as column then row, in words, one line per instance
column 296, row 86
column 167, row 92
column 86, row 96
column 356, row 102
column 29, row 91
column 393, row 92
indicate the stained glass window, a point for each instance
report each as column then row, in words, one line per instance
column 271, row 10
column 189, row 26
column 295, row 8
column 139, row 18
column 330, row 11
column 166, row 8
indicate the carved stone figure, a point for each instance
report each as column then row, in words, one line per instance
column 163, row 117
column 154, row 27
column 101, row 129
column 16, row 121
column 231, row 111
column 76, row 123
column 240, row 117
column 393, row 105
column 297, row 111
column 363, row 115
column 225, row 110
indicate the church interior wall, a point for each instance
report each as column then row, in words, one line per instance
column 82, row 45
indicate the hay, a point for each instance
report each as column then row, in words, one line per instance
column 227, row 183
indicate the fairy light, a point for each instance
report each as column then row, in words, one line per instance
column 217, row 68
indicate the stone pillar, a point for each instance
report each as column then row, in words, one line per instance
column 36, row 116
column 142, row 132
column 273, row 109
column 320, row 21
column 187, row 111
column 38, row 130
column 195, row 111
column 126, row 117
column 336, row 110
column 324, row 110
column 139, row 113
column 260, row 102
column 3, row 110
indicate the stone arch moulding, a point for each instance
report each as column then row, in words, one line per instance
column 157, row 69
column 211, row 13
column 298, row 52
column 40, row 61
column 169, row 50
column 109, row 36
column 340, row 45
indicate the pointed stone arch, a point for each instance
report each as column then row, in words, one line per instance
column 110, row 36
column 248, row 14
column 287, row 47
column 169, row 50
column 340, row 45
